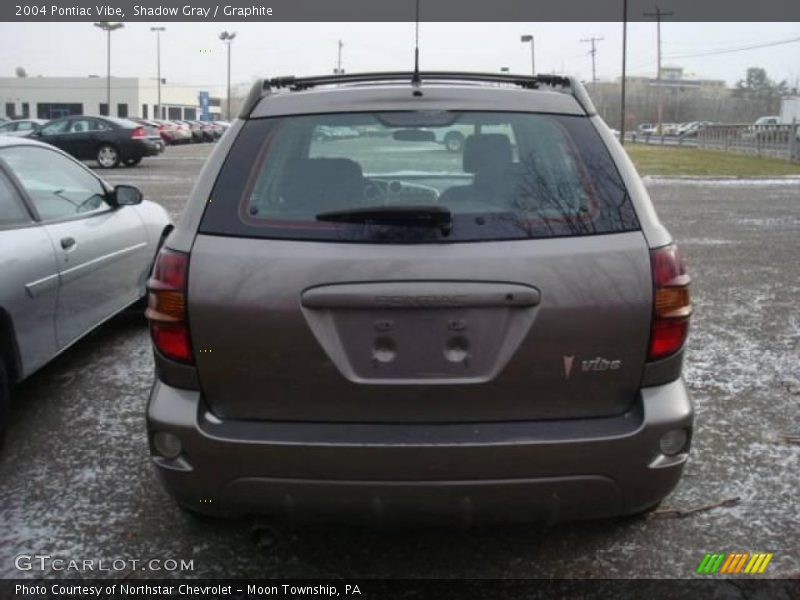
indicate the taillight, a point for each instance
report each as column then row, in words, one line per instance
column 672, row 304
column 138, row 133
column 166, row 305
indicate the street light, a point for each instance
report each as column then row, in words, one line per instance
column 158, row 30
column 227, row 39
column 529, row 38
column 108, row 28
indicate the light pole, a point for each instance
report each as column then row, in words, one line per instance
column 108, row 28
column 529, row 38
column 227, row 38
column 158, row 30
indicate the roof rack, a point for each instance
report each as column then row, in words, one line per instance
column 525, row 81
column 529, row 82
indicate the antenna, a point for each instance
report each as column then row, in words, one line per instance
column 415, row 79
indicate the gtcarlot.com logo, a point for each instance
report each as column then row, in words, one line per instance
column 47, row 562
column 734, row 563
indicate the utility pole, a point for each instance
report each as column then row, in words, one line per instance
column 658, row 14
column 593, row 52
column 338, row 70
column 624, row 64
column 159, row 112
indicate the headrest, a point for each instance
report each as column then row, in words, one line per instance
column 323, row 182
column 486, row 151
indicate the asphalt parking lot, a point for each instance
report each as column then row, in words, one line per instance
column 77, row 483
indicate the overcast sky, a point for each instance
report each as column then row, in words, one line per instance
column 192, row 54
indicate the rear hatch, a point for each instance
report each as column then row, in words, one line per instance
column 534, row 304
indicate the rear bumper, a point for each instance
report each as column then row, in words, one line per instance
column 142, row 148
column 542, row 471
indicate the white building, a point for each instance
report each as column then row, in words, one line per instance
column 52, row 97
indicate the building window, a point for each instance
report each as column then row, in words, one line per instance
column 174, row 113
column 122, row 110
column 144, row 111
column 11, row 110
column 26, row 110
column 46, row 110
column 190, row 114
column 103, row 109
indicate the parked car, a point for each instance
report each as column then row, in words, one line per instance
column 693, row 128
column 152, row 128
column 169, row 132
column 768, row 129
column 183, row 133
column 196, row 131
column 207, row 130
column 216, row 129
column 22, row 127
column 453, row 137
column 107, row 140
column 646, row 129
column 379, row 331
column 73, row 252
column 325, row 133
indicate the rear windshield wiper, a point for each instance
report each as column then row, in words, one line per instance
column 424, row 216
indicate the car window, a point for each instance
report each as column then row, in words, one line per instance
column 58, row 187
column 7, row 127
column 511, row 176
column 55, row 127
column 11, row 209
column 83, row 125
column 24, row 126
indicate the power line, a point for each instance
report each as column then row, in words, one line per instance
column 723, row 51
column 739, row 49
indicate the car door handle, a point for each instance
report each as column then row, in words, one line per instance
column 67, row 242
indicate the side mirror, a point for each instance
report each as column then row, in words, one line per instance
column 126, row 195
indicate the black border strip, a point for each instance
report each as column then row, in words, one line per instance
column 400, row 10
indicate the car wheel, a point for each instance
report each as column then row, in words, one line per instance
column 107, row 156
column 454, row 141
column 132, row 162
column 4, row 399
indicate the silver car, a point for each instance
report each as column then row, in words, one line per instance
column 380, row 329
column 22, row 127
column 73, row 252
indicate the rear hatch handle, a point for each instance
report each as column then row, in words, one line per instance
column 421, row 295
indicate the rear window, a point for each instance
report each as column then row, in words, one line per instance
column 499, row 175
